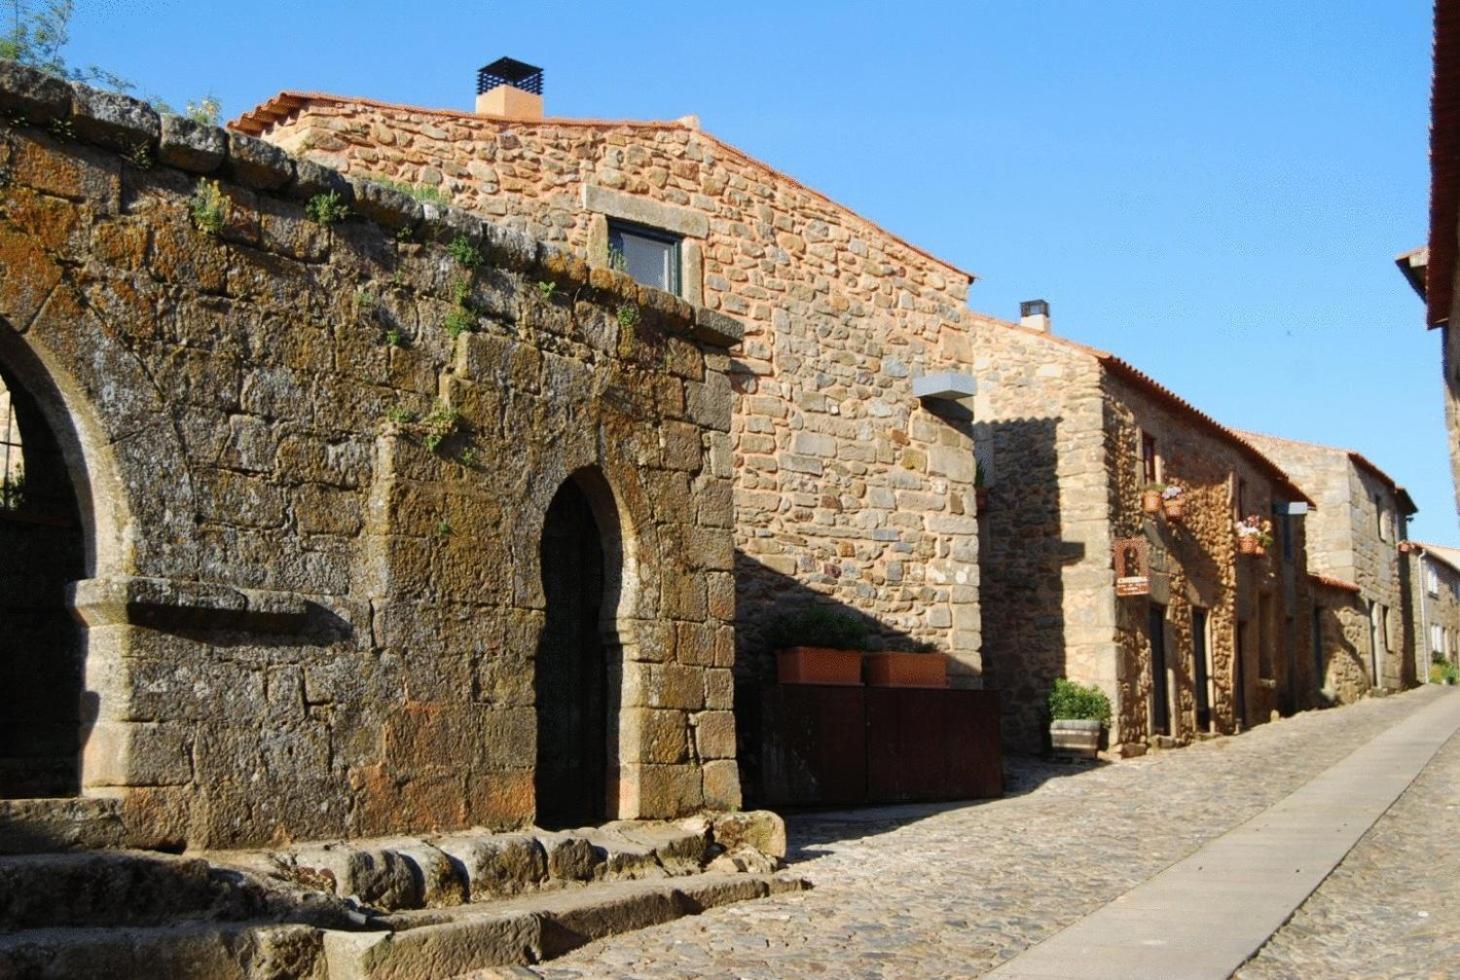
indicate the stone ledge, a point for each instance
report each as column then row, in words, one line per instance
column 124, row 124
column 630, row 207
column 171, row 603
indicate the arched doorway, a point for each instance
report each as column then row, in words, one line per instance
column 571, row 677
column 42, row 549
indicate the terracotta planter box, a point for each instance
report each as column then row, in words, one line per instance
column 907, row 670
column 1151, row 501
column 1075, row 739
column 819, row 665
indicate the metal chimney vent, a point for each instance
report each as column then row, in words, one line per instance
column 509, row 71
column 1034, row 307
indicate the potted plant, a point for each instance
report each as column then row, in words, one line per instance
column 819, row 646
column 1254, row 535
column 1077, row 714
column 1151, row 497
column 1172, row 503
column 922, row 666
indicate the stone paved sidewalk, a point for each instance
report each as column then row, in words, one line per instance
column 1392, row 908
column 953, row 891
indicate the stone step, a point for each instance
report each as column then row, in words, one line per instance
column 443, row 943
column 143, row 888
column 415, row 945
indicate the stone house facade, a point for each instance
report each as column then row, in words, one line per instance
column 1210, row 641
column 1435, row 580
column 850, row 491
column 367, row 524
column 1354, row 536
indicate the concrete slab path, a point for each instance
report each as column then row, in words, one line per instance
column 1206, row 915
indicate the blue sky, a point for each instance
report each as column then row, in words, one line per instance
column 1214, row 191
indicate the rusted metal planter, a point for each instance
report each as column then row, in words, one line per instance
column 1075, row 738
column 819, row 665
column 928, row 670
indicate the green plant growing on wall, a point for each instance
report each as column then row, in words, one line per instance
column 818, row 627
column 628, row 316
column 207, row 111
column 420, row 192
column 465, row 253
column 327, row 208
column 392, row 338
column 459, row 321
column 443, row 529
column 441, row 424
column 400, row 415
column 141, row 156
column 209, row 207
column 461, row 293
column 365, row 301
column 1069, row 701
column 546, row 290
column 616, row 260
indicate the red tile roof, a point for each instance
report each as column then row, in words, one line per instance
column 1335, row 583
column 286, row 105
column 1444, row 163
column 1181, row 406
column 1362, row 462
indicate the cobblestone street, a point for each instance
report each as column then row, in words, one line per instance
column 955, row 890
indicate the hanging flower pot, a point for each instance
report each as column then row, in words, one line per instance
column 1151, row 499
column 1172, row 503
column 1247, row 544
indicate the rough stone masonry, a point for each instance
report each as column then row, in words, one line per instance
column 304, row 462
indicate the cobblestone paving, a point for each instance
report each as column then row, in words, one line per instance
column 954, row 891
column 1392, row 908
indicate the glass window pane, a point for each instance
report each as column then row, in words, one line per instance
column 649, row 259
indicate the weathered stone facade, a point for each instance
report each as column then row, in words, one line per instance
column 1435, row 582
column 1355, row 533
column 1060, row 430
column 848, row 490
column 308, row 519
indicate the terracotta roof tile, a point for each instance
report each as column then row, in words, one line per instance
column 1335, row 583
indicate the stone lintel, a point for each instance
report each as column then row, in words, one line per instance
column 172, row 603
column 632, row 207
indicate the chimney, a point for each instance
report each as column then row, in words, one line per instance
column 510, row 88
column 1034, row 314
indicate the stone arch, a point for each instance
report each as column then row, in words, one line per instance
column 61, row 524
column 588, row 575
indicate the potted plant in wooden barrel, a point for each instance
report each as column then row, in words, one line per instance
column 1077, row 714
column 922, row 666
column 1172, row 503
column 1151, row 498
column 819, row 646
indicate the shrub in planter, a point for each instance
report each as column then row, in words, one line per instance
column 1077, row 714
column 819, row 646
column 923, row 666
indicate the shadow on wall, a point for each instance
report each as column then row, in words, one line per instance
column 1022, row 555
column 764, row 597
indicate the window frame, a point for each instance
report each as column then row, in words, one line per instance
column 618, row 227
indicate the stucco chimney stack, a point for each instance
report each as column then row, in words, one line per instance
column 510, row 88
column 1034, row 314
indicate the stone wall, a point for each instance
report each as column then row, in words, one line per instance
column 1348, row 544
column 1048, row 600
column 313, row 514
column 1343, row 622
column 848, row 491
column 1260, row 605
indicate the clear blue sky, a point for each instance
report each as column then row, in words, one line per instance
column 1214, row 191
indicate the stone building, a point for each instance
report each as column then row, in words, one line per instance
column 1435, row 269
column 340, row 523
column 1191, row 637
column 850, row 491
column 1354, row 538
column 1435, row 581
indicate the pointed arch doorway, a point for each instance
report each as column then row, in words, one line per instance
column 576, row 719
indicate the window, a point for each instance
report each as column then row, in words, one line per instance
column 649, row 255
column 1241, row 498
column 1383, row 627
column 1381, row 517
column 12, row 458
column 1285, row 522
column 1265, row 637
column 1437, row 638
column 1432, row 580
column 1150, row 466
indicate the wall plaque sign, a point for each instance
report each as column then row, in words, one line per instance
column 1132, row 566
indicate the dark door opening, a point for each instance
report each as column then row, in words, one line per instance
column 1239, row 677
column 1318, row 672
column 1160, row 699
column 571, row 680
column 41, row 550
column 1201, row 670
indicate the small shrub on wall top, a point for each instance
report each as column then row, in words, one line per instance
column 819, row 628
column 1069, row 701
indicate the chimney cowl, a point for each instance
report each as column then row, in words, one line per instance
column 1034, row 314
column 511, row 88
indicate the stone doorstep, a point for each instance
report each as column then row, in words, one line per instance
column 442, row 943
column 400, row 873
column 419, row 945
